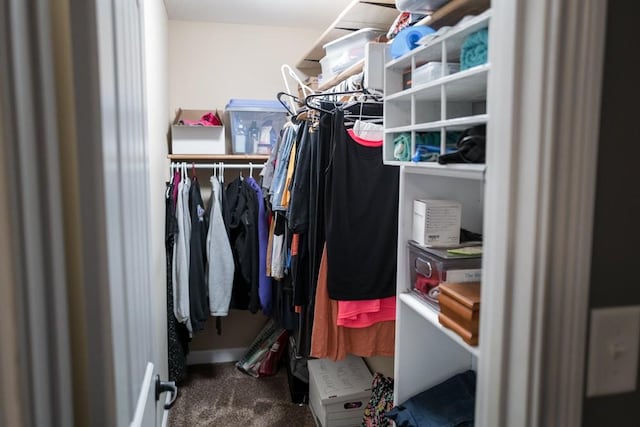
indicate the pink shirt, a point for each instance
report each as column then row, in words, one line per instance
column 364, row 313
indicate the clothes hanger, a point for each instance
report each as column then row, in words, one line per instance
column 166, row 193
column 363, row 92
column 304, row 87
column 250, row 169
column 285, row 104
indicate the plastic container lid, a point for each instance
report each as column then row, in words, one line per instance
column 255, row 105
column 364, row 31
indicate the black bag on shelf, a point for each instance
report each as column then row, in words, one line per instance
column 471, row 147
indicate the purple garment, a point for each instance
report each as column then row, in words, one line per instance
column 176, row 180
column 264, row 282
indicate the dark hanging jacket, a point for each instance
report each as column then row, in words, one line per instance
column 241, row 220
column 298, row 211
column 198, row 290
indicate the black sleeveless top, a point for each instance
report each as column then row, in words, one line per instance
column 361, row 214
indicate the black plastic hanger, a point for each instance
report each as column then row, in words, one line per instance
column 284, row 104
column 364, row 92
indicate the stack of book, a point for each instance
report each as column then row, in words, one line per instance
column 460, row 309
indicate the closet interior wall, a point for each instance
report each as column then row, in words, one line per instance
column 158, row 119
column 240, row 327
column 209, row 64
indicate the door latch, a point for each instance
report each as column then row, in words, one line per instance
column 166, row 386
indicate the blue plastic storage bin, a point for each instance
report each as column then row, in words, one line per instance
column 255, row 124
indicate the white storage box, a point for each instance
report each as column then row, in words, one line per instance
column 342, row 53
column 255, row 124
column 339, row 391
column 436, row 222
column 187, row 139
column 432, row 71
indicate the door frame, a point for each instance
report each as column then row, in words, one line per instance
column 544, row 105
column 538, row 242
column 35, row 361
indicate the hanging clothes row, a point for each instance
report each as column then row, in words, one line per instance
column 336, row 216
column 213, row 256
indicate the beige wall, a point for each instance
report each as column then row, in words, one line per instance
column 157, row 93
column 211, row 63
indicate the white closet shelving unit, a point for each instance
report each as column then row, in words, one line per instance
column 426, row 353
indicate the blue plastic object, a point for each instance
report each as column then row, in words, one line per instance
column 407, row 39
column 236, row 104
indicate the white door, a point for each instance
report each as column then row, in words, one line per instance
column 125, row 170
column 75, row 259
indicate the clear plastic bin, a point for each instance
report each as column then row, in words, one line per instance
column 428, row 267
column 255, row 125
column 342, row 53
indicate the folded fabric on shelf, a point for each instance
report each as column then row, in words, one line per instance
column 208, row 119
column 402, row 147
column 450, row 403
column 474, row 49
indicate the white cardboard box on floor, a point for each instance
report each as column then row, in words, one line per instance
column 339, row 391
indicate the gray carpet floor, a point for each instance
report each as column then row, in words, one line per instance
column 222, row 396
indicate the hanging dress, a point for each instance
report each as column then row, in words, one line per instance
column 177, row 334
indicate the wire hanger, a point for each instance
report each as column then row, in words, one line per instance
column 306, row 90
column 364, row 92
column 285, row 104
column 250, row 169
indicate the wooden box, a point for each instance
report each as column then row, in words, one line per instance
column 460, row 309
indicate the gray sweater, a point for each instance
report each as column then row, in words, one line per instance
column 221, row 267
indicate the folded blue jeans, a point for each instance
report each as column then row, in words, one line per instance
column 448, row 404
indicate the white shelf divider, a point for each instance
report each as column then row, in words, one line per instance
column 429, row 314
column 459, row 122
column 471, row 80
column 454, row 170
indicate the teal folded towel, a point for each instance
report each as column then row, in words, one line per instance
column 402, row 147
column 432, row 139
column 474, row 49
column 428, row 145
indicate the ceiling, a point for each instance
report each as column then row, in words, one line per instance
column 312, row 14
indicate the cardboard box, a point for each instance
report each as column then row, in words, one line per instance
column 460, row 309
column 339, row 391
column 196, row 139
column 436, row 222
